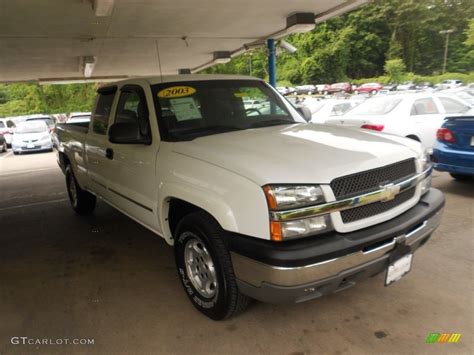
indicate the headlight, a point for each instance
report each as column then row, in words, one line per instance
column 290, row 197
column 45, row 137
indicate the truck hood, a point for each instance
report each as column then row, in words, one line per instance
column 299, row 153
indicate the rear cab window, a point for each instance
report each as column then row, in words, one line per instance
column 100, row 118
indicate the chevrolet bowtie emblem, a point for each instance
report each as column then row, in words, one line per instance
column 389, row 192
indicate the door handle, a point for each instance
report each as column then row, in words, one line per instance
column 109, row 153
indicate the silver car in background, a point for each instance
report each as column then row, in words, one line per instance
column 31, row 136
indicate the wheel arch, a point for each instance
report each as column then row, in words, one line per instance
column 176, row 205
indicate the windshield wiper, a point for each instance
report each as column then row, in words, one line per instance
column 268, row 123
column 196, row 132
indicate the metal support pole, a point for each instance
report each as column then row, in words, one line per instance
column 445, row 62
column 446, row 45
column 271, row 61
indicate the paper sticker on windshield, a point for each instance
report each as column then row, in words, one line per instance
column 176, row 91
column 185, row 108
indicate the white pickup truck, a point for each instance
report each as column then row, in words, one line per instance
column 256, row 202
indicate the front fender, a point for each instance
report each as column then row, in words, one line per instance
column 237, row 203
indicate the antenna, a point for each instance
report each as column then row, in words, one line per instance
column 159, row 59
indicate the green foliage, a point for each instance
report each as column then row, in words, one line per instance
column 23, row 99
column 395, row 68
column 358, row 44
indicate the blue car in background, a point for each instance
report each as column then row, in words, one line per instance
column 454, row 149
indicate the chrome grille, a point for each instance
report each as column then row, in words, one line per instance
column 357, row 213
column 371, row 180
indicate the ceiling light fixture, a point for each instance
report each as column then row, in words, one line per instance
column 89, row 65
column 221, row 57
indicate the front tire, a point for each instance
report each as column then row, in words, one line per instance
column 82, row 202
column 205, row 268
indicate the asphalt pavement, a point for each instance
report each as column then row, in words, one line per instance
column 105, row 279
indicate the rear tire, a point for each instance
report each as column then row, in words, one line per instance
column 205, row 268
column 82, row 202
column 460, row 177
column 4, row 147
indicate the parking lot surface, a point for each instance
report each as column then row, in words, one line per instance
column 106, row 278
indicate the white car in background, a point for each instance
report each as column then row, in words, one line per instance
column 416, row 116
column 31, row 136
column 322, row 110
column 464, row 93
column 450, row 84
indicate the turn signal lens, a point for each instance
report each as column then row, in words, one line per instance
column 275, row 231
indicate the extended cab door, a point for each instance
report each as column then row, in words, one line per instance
column 133, row 185
column 98, row 164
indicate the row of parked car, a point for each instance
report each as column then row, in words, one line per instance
column 368, row 88
column 33, row 133
column 441, row 121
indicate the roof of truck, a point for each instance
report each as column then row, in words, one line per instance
column 182, row 77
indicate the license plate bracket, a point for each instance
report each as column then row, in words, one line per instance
column 398, row 268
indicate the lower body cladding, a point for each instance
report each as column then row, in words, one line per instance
column 304, row 269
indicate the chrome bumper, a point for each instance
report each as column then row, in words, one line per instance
column 255, row 273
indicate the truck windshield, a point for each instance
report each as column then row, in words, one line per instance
column 192, row 109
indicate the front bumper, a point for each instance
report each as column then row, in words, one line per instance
column 37, row 148
column 302, row 270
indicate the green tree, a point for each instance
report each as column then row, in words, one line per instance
column 395, row 69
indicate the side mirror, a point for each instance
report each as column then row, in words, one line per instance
column 127, row 133
column 305, row 112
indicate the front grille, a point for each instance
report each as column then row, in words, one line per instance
column 371, row 180
column 357, row 213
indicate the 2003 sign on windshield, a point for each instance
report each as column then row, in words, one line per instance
column 176, row 91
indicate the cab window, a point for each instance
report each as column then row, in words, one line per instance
column 100, row 119
column 132, row 108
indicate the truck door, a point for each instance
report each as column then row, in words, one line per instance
column 133, row 186
column 96, row 145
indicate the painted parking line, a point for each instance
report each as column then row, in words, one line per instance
column 26, row 171
column 34, row 204
column 6, row 155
